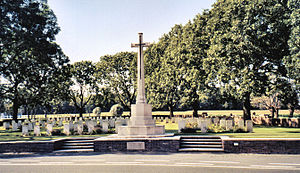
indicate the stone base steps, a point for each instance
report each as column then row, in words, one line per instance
column 77, row 145
column 201, row 144
column 74, row 150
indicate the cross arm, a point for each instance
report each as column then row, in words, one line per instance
column 147, row 44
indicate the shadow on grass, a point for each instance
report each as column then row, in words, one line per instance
column 292, row 132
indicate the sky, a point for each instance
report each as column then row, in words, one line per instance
column 93, row 28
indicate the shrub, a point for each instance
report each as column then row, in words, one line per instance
column 190, row 128
column 214, row 128
column 191, row 125
column 116, row 110
column 237, row 129
column 97, row 111
column 57, row 132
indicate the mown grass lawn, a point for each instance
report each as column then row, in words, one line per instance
column 9, row 135
column 258, row 132
column 283, row 113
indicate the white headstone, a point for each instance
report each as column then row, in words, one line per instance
column 91, row 126
column 19, row 123
column 25, row 130
column 105, row 126
column 240, row 124
column 181, row 124
column 49, row 129
column 111, row 123
column 229, row 124
column 30, row 126
column 71, row 126
column 14, row 126
column 60, row 123
column 204, row 125
column 67, row 129
column 37, row 130
column 249, row 126
column 80, row 129
column 6, row 125
column 223, row 123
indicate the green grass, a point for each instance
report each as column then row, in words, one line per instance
column 267, row 132
column 9, row 135
column 258, row 132
column 283, row 113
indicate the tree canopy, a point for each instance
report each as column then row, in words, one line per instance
column 30, row 58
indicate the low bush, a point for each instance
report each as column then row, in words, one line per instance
column 237, row 129
column 97, row 111
column 57, row 132
column 116, row 110
column 214, row 128
column 188, row 130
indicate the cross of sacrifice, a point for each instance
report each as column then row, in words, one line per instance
column 141, row 98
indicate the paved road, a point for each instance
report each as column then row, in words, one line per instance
column 179, row 162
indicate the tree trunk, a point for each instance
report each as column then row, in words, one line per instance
column 272, row 112
column 195, row 109
column 171, row 111
column 81, row 112
column 277, row 113
column 247, row 107
column 15, row 109
column 291, row 110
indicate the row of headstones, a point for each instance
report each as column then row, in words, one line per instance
column 203, row 124
column 77, row 126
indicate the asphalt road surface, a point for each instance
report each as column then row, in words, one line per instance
column 146, row 163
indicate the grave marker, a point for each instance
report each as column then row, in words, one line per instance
column 249, row 126
column 37, row 130
column 25, row 130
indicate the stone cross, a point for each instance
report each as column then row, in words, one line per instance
column 141, row 98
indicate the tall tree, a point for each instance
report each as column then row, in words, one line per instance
column 292, row 61
column 118, row 72
column 84, row 84
column 164, row 73
column 248, row 42
column 104, row 99
column 29, row 55
column 192, row 49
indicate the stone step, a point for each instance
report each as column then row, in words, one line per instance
column 79, row 141
column 201, row 146
column 78, row 144
column 201, row 140
column 202, row 143
column 192, row 136
column 86, row 138
column 78, row 147
column 201, row 150
column 73, row 150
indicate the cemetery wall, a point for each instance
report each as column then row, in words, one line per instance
column 27, row 146
column 149, row 145
column 262, row 146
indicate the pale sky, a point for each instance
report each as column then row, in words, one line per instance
column 93, row 28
